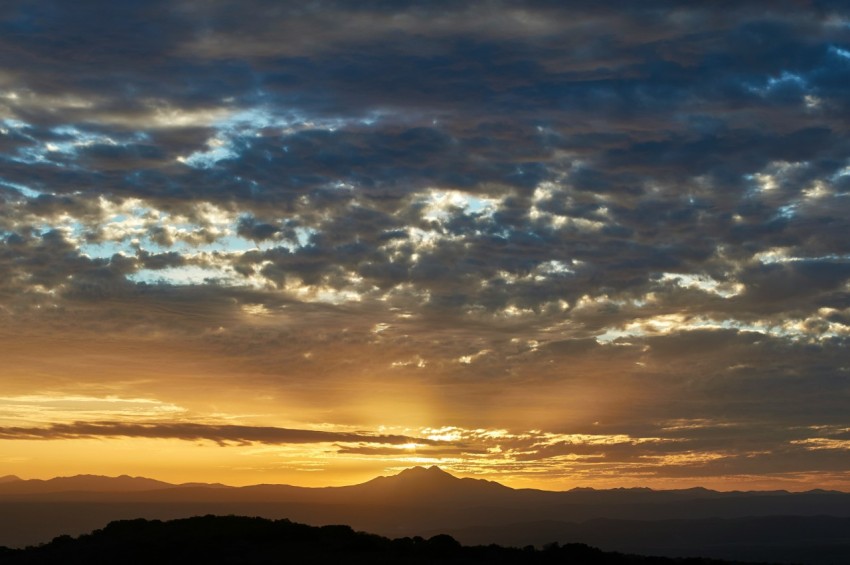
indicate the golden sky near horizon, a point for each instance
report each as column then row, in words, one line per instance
column 552, row 246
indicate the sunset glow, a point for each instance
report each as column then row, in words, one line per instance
column 553, row 245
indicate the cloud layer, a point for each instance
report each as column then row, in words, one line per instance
column 538, row 215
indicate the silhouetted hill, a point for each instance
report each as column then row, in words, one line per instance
column 231, row 540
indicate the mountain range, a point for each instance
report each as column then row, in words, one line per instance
column 778, row 526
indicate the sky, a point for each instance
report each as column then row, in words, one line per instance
column 552, row 244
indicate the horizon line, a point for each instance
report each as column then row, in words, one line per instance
column 12, row 477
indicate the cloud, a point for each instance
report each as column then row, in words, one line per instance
column 636, row 210
column 221, row 434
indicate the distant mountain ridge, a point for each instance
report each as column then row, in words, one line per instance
column 434, row 489
column 12, row 484
column 432, row 479
column 419, row 501
column 84, row 483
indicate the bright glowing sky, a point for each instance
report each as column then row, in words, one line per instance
column 555, row 243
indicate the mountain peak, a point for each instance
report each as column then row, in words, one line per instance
column 432, row 486
column 432, row 471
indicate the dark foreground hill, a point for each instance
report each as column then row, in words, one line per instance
column 234, row 539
